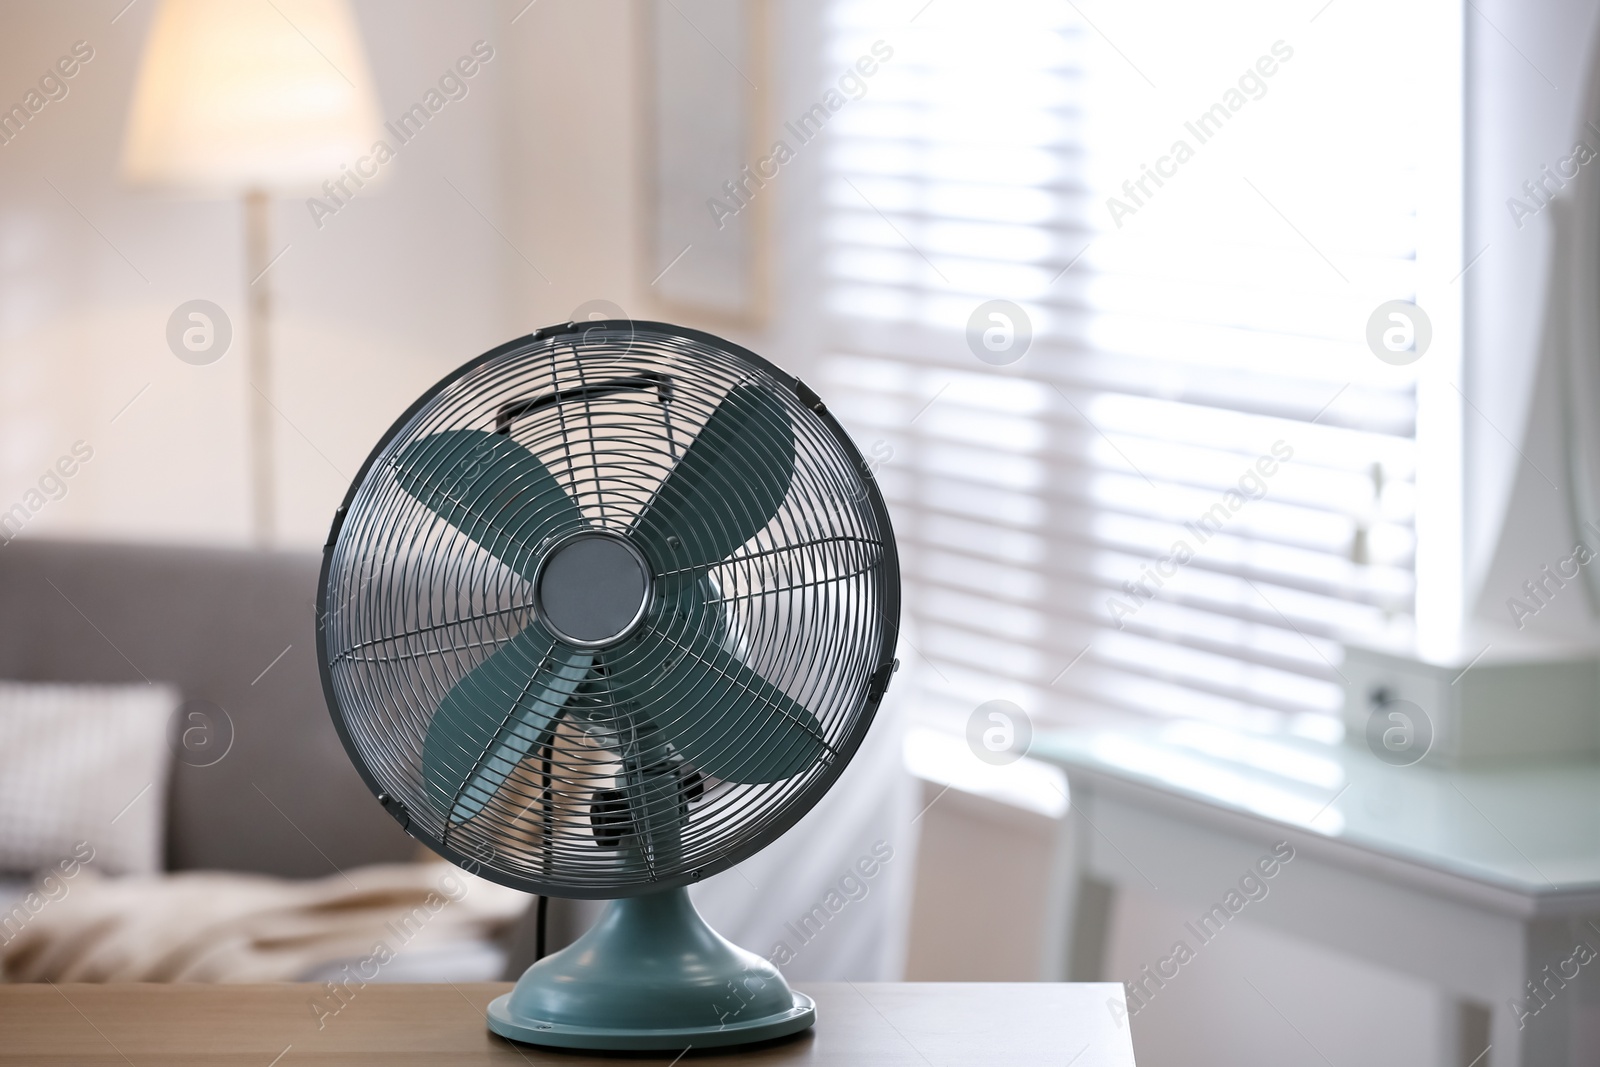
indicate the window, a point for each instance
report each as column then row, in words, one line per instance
column 1198, row 478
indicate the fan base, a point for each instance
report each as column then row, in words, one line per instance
column 743, row 1032
column 651, row 975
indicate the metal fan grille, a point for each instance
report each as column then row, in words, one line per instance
column 411, row 604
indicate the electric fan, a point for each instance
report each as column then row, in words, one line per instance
column 606, row 612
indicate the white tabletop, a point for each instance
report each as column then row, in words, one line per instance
column 1533, row 829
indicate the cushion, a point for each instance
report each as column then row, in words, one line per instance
column 84, row 767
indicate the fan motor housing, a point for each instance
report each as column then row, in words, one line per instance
column 592, row 588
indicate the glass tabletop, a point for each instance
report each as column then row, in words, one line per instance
column 1531, row 827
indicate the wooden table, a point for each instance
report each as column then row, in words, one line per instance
column 1475, row 881
column 925, row 1025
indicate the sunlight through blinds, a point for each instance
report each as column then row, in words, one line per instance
column 1198, row 476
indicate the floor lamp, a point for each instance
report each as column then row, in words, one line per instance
column 251, row 99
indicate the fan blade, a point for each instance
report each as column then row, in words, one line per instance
column 494, row 716
column 720, row 715
column 491, row 489
column 727, row 486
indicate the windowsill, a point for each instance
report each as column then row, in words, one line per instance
column 944, row 760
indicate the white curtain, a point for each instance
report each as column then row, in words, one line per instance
column 1556, row 491
column 807, row 902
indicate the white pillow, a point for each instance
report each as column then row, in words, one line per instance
column 84, row 763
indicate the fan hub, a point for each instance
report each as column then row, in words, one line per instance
column 592, row 589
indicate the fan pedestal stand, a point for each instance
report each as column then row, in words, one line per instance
column 651, row 975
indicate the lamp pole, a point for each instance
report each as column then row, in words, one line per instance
column 258, row 369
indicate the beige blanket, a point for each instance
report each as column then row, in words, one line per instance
column 207, row 926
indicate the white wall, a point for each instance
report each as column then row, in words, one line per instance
column 572, row 156
column 967, row 925
column 404, row 284
column 386, row 297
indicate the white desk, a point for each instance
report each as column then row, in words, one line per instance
column 1473, row 881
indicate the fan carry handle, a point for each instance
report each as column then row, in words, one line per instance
column 644, row 381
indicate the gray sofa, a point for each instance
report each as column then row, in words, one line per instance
column 285, row 799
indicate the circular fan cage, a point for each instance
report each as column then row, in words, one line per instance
column 703, row 498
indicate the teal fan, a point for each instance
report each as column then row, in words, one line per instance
column 606, row 612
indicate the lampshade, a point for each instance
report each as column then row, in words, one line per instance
column 249, row 94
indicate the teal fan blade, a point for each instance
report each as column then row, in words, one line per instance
column 727, row 486
column 720, row 715
column 717, row 713
column 500, row 495
column 494, row 717
column 491, row 489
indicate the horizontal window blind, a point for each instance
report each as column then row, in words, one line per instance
column 1198, row 477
